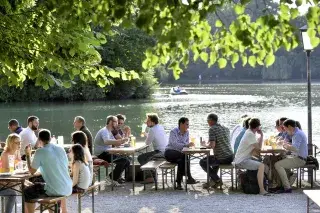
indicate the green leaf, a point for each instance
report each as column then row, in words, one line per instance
column 213, row 58
column 244, row 60
column 269, row 59
column 218, row 23
column 222, row 62
column 145, row 64
column 66, row 84
column 235, row 58
column 75, row 71
column 72, row 52
column 252, row 61
column 298, row 3
column 239, row 9
column 154, row 60
column 204, row 56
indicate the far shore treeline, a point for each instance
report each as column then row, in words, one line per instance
column 65, row 64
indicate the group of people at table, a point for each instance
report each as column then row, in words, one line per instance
column 50, row 163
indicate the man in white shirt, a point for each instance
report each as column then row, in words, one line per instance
column 247, row 145
column 157, row 138
column 28, row 135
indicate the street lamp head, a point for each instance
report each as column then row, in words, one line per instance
column 306, row 38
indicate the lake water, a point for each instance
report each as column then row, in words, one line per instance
column 229, row 101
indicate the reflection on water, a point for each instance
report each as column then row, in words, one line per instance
column 265, row 101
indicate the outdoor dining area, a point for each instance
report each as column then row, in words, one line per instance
column 157, row 160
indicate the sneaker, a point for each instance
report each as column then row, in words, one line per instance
column 284, row 191
column 179, row 187
column 217, row 184
column 192, row 181
column 207, row 186
column 293, row 178
column 121, row 181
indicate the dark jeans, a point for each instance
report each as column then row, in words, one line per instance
column 174, row 156
column 121, row 163
column 145, row 158
column 214, row 165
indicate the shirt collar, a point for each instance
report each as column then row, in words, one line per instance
column 296, row 130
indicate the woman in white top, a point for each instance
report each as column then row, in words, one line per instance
column 80, row 137
column 12, row 147
column 79, row 170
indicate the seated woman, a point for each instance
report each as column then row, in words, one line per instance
column 179, row 138
column 12, row 147
column 80, row 172
column 79, row 137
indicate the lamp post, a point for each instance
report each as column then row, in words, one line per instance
column 308, row 48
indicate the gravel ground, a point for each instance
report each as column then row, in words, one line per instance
column 196, row 200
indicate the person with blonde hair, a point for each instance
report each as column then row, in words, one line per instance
column 12, row 147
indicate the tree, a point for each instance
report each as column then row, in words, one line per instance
column 52, row 41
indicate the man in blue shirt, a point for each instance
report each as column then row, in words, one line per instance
column 178, row 139
column 52, row 161
column 298, row 158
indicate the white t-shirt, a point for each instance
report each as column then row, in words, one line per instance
column 246, row 146
column 27, row 136
column 157, row 137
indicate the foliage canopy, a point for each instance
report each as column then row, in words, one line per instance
column 52, row 41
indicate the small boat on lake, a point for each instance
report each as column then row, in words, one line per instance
column 178, row 91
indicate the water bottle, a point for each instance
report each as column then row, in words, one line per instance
column 53, row 140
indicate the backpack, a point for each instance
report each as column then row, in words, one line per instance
column 313, row 160
column 249, row 182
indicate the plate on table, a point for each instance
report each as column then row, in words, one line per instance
column 5, row 174
column 20, row 172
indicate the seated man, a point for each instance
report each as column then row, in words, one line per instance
column 52, row 161
column 298, row 157
column 241, row 134
column 219, row 142
column 247, row 145
column 14, row 127
column 178, row 139
column 103, row 141
column 159, row 140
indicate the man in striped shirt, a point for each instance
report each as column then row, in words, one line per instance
column 219, row 142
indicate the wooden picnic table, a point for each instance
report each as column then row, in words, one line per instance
column 190, row 154
column 314, row 196
column 127, row 151
column 10, row 182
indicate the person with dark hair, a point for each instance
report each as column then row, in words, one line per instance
column 52, row 161
column 80, row 170
column 299, row 153
column 28, row 135
column 121, row 131
column 158, row 139
column 178, row 139
column 283, row 135
column 103, row 141
column 241, row 134
column 80, row 137
column 14, row 127
column 248, row 145
column 80, row 125
column 219, row 142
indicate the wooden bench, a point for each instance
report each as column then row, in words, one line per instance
column 167, row 168
column 49, row 203
column 151, row 166
column 314, row 196
column 53, row 203
column 90, row 189
column 301, row 170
